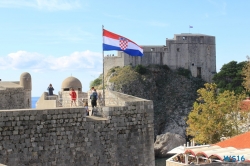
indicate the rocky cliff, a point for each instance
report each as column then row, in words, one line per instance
column 173, row 93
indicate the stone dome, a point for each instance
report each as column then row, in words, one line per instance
column 71, row 82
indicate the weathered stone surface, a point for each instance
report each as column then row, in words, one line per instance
column 64, row 136
column 173, row 94
column 13, row 98
column 166, row 142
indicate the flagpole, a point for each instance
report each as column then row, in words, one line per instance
column 103, row 91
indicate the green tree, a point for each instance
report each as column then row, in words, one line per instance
column 246, row 75
column 184, row 72
column 96, row 82
column 230, row 77
column 215, row 115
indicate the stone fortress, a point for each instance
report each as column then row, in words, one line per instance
column 120, row 134
column 196, row 52
column 63, row 98
column 16, row 94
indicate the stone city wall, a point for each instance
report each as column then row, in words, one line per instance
column 65, row 136
column 12, row 98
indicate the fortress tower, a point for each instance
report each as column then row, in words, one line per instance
column 72, row 82
column 63, row 98
column 196, row 52
column 16, row 94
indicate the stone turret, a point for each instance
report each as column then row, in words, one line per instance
column 25, row 81
column 16, row 94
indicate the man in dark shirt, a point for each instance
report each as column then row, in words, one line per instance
column 50, row 89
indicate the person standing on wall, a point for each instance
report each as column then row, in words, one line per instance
column 73, row 96
column 50, row 89
column 87, row 108
column 93, row 98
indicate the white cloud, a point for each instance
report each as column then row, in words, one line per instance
column 38, row 62
column 42, row 4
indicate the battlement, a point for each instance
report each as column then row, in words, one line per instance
column 122, row 135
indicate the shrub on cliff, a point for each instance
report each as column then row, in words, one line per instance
column 184, row 72
column 123, row 75
column 140, row 69
column 165, row 67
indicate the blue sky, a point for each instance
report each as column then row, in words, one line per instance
column 54, row 39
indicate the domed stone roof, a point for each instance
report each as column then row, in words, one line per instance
column 71, row 82
column 26, row 75
column 25, row 80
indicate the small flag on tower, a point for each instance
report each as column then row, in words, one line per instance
column 190, row 26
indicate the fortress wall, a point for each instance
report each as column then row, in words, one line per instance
column 203, row 55
column 156, row 56
column 177, row 56
column 152, row 55
column 191, row 53
column 13, row 98
column 64, row 136
column 46, row 101
column 112, row 61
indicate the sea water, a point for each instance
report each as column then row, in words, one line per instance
column 34, row 100
column 160, row 161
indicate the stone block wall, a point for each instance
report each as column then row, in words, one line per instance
column 112, row 61
column 13, row 98
column 65, row 136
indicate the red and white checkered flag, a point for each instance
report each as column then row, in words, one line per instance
column 123, row 42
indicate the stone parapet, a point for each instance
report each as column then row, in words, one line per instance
column 65, row 136
column 13, row 98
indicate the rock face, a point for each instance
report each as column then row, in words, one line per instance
column 173, row 94
column 167, row 142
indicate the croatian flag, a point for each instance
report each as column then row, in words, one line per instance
column 112, row 41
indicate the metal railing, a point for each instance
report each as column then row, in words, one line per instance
column 109, row 101
column 65, row 101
